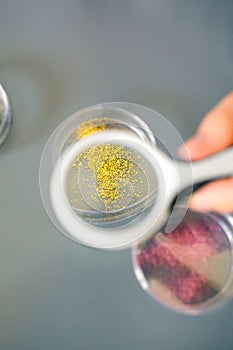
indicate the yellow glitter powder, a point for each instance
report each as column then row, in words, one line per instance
column 113, row 169
column 91, row 126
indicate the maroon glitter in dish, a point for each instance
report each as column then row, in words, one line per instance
column 187, row 268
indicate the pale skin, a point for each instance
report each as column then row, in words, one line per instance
column 214, row 134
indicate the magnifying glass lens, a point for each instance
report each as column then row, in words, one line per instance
column 108, row 182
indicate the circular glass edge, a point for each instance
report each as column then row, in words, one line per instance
column 217, row 301
column 6, row 115
column 130, row 108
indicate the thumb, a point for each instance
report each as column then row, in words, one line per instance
column 215, row 196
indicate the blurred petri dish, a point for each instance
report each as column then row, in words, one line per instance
column 188, row 270
column 5, row 115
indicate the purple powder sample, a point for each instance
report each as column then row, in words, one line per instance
column 188, row 266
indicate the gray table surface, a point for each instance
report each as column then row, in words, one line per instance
column 57, row 57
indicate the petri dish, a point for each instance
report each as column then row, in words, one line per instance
column 96, row 176
column 188, row 270
column 99, row 175
column 5, row 115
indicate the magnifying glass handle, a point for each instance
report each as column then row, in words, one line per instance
column 216, row 166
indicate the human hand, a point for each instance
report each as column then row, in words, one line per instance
column 213, row 135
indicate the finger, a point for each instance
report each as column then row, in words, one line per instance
column 214, row 133
column 215, row 196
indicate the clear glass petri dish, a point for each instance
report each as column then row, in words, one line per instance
column 189, row 270
column 5, row 115
column 101, row 176
column 95, row 174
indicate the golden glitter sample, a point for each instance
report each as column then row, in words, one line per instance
column 107, row 177
column 111, row 172
column 91, row 126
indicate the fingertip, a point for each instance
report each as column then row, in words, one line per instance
column 198, row 202
column 183, row 152
column 194, row 148
column 215, row 196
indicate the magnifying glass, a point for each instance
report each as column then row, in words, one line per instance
column 108, row 185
